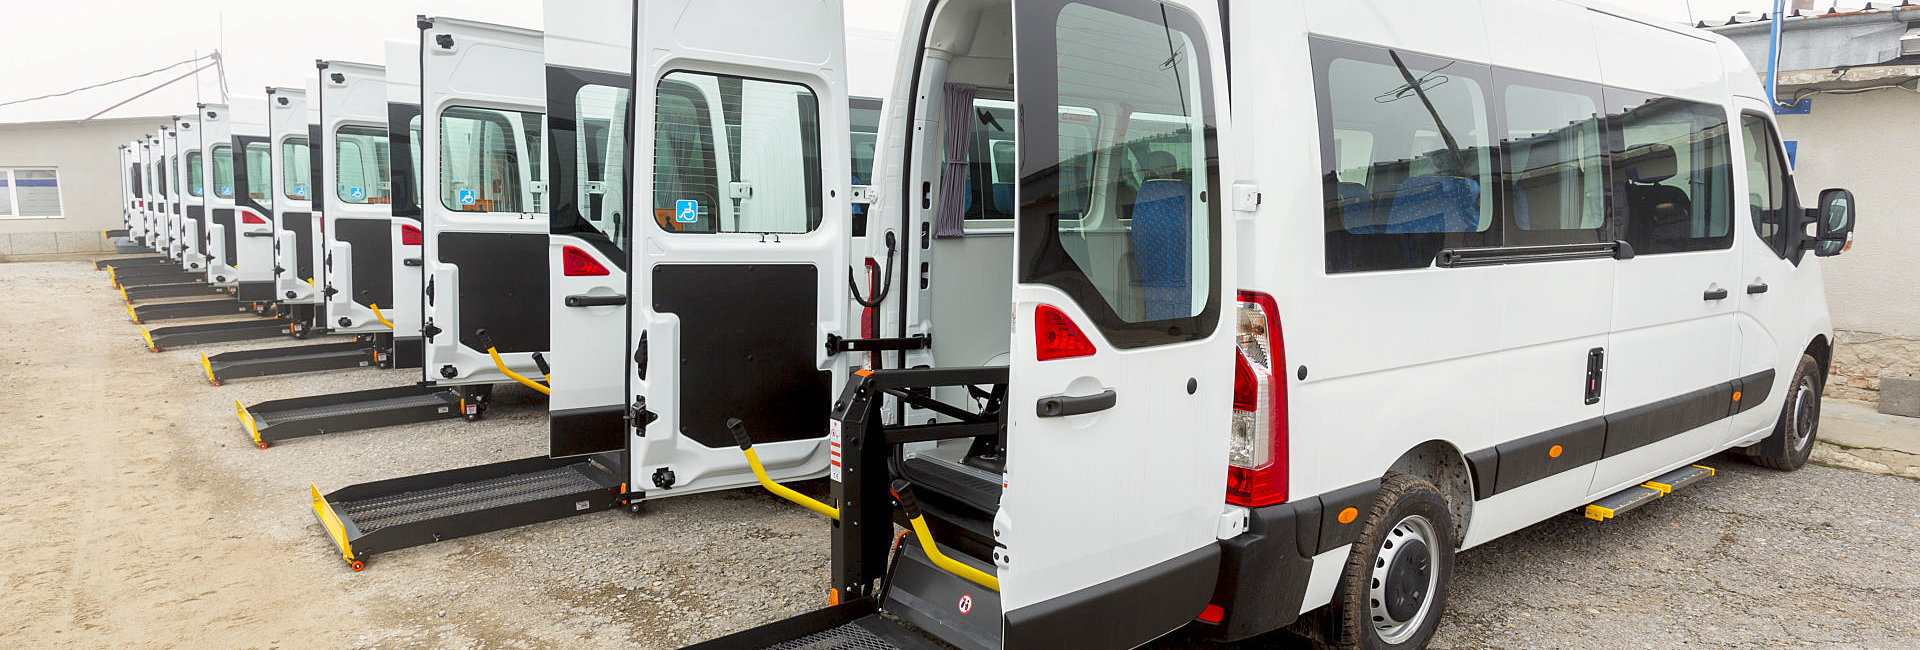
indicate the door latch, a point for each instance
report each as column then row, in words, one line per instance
column 1596, row 364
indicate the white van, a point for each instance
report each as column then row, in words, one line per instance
column 251, row 240
column 1291, row 300
column 216, row 137
column 291, row 180
column 190, row 170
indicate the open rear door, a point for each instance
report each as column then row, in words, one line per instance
column 216, row 136
column 1122, row 354
column 589, row 98
column 485, row 234
column 254, row 196
column 193, row 211
column 403, row 145
column 293, row 207
column 356, row 225
column 740, row 237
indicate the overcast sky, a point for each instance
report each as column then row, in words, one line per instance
column 50, row 46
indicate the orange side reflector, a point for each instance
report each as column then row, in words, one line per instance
column 833, row 597
column 1554, row 452
column 1736, row 396
column 1348, row 515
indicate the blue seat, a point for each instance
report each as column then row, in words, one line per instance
column 1003, row 198
column 1435, row 204
column 1161, row 238
column 1356, row 207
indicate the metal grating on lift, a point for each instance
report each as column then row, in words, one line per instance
column 845, row 637
column 410, row 507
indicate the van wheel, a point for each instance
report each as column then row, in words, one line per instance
column 1792, row 440
column 1394, row 586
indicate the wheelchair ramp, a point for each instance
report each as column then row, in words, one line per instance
column 270, row 422
column 227, row 366
column 166, row 338
column 398, row 513
column 192, row 309
column 176, row 290
column 124, row 263
column 856, row 625
column 168, row 274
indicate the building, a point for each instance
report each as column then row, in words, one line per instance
column 60, row 185
column 1850, row 83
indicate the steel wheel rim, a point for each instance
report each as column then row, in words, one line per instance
column 1804, row 414
column 1405, row 567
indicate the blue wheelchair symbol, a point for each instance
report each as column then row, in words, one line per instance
column 686, row 211
column 356, row 193
column 226, row 189
column 467, row 197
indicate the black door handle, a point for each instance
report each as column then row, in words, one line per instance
column 411, row 261
column 595, row 301
column 1756, row 288
column 263, row 233
column 1716, row 294
column 1054, row 406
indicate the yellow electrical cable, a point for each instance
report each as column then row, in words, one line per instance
column 951, row 565
column 784, row 492
column 529, row 383
column 377, row 316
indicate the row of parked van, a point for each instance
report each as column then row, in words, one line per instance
column 1134, row 315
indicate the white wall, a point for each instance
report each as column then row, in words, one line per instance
column 88, row 157
column 1867, row 144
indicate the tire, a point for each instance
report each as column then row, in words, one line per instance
column 1799, row 424
column 1407, row 509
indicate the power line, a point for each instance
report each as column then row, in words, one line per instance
column 109, row 83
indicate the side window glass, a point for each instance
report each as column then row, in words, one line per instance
column 1768, row 186
column 161, row 172
column 480, row 161
column 1672, row 171
column 599, row 137
column 1555, row 181
column 1149, row 275
column 413, row 142
column 194, row 174
column 296, row 169
column 360, row 165
column 1407, row 157
column 735, row 155
column 865, row 123
column 223, row 171
column 259, row 170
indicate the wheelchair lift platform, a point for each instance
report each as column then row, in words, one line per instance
column 299, row 417
column 164, row 338
column 363, row 352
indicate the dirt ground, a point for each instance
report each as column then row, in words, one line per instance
column 135, row 513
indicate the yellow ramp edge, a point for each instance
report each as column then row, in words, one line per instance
column 331, row 522
column 1711, row 472
column 1598, row 513
column 247, row 419
column 149, row 337
column 208, row 367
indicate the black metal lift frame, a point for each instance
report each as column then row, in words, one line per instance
column 300, row 417
column 364, row 351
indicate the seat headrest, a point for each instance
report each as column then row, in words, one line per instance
column 1651, row 163
column 1161, row 164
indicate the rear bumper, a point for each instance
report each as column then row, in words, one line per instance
column 1264, row 571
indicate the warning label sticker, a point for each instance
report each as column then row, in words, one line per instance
column 833, row 450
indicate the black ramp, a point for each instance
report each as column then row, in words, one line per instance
column 175, row 290
column 413, row 510
column 503, row 289
column 748, row 332
column 194, row 309
column 227, row 366
column 282, row 419
column 162, row 338
column 855, row 625
column 125, row 263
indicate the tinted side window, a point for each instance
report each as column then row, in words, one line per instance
column 223, row 171
column 1672, row 174
column 1770, row 194
column 766, row 176
column 259, row 165
column 480, row 164
column 1554, row 159
column 194, row 173
column 1406, row 155
column 296, row 169
column 133, row 179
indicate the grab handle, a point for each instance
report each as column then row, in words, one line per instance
column 739, row 430
column 502, row 366
column 1053, row 406
column 903, row 493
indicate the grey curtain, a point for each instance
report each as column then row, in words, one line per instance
column 949, row 221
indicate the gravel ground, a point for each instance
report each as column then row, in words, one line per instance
column 140, row 515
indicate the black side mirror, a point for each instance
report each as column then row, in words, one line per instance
column 1833, row 221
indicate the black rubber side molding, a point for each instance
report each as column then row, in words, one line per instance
column 1053, row 406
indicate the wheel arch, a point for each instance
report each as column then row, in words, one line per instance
column 1822, row 351
column 1441, row 463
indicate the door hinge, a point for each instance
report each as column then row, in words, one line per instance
column 837, row 345
column 430, row 330
column 1596, row 365
column 639, row 417
column 640, row 356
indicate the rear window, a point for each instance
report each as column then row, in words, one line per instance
column 259, row 170
column 735, row 155
column 296, row 168
column 360, row 165
column 483, row 167
column 223, row 171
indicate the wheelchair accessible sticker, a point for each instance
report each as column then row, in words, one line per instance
column 467, row 197
column 299, row 191
column 686, row 211
column 356, row 193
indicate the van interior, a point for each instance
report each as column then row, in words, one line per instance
column 1129, row 167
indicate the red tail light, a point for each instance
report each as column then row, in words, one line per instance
column 576, row 262
column 1257, row 448
column 409, row 235
column 1058, row 337
column 247, row 216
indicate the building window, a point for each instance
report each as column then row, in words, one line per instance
column 28, row 193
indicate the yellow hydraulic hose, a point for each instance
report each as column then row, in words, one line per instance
column 739, row 431
column 502, row 365
column 383, row 319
